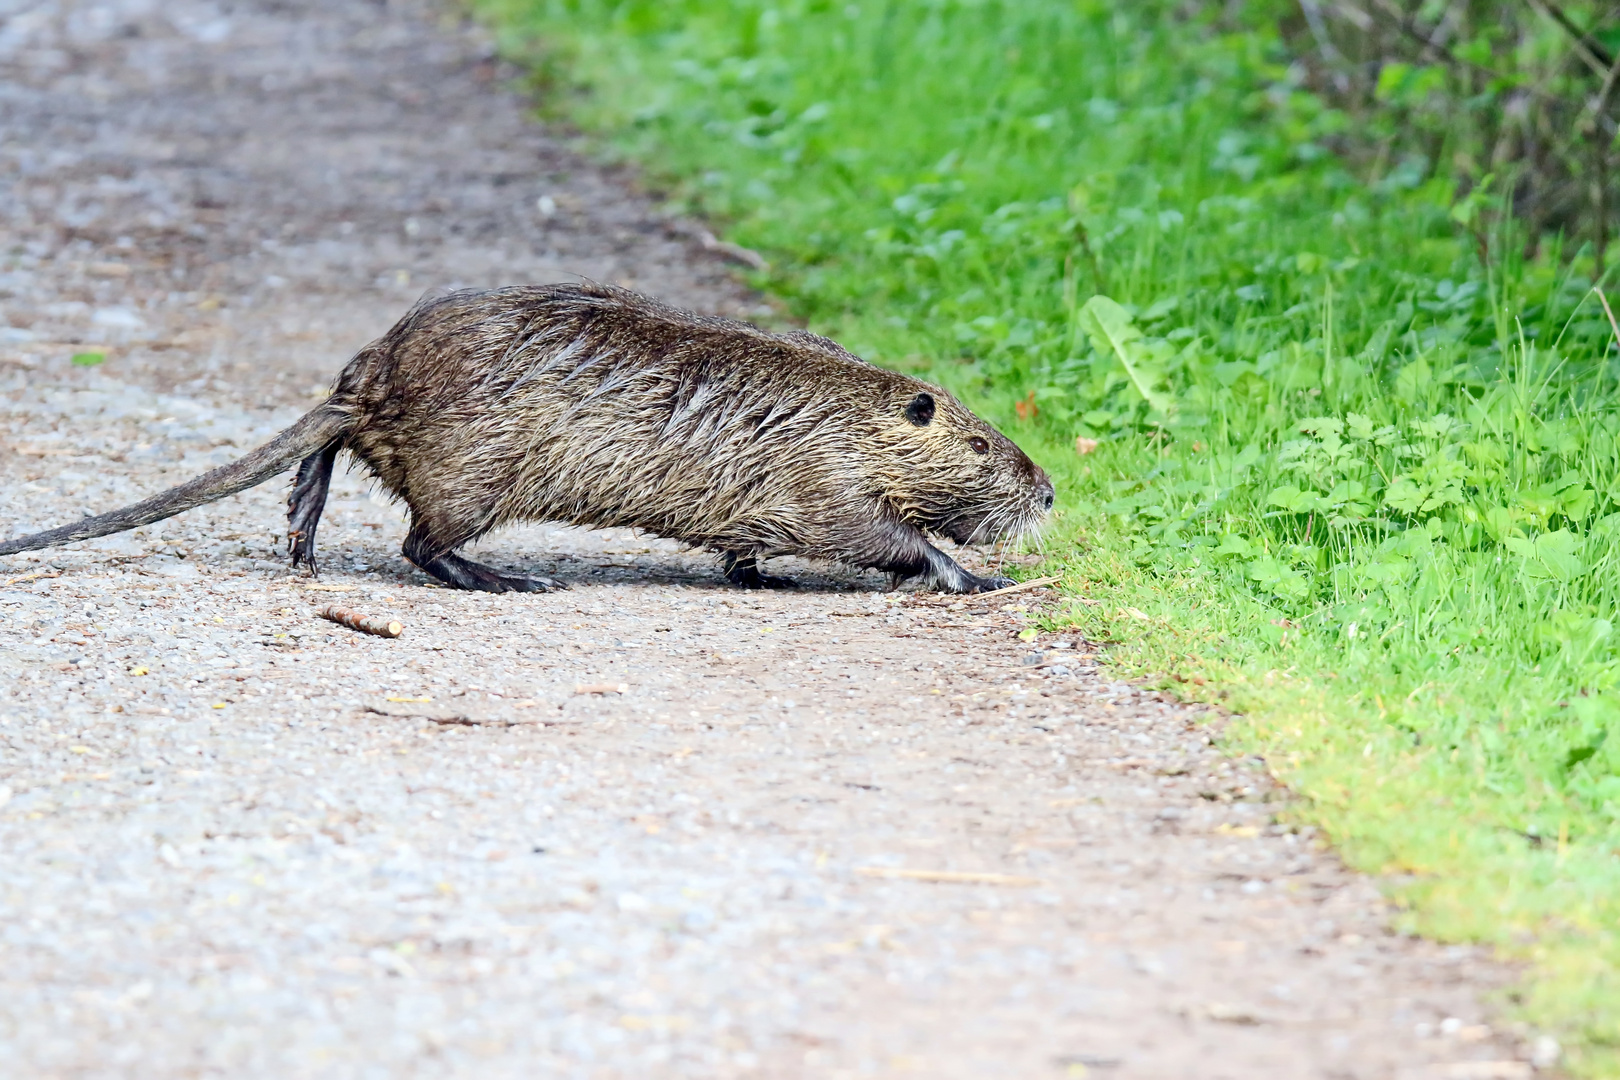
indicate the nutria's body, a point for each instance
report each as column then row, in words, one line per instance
column 596, row 406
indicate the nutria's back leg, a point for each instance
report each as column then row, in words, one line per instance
column 307, row 501
column 905, row 552
column 744, row 570
column 428, row 554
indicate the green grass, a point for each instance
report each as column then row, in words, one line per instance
column 1357, row 464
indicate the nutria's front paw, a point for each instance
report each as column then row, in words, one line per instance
column 991, row 584
column 744, row 571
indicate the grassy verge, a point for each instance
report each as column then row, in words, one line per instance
column 1327, row 450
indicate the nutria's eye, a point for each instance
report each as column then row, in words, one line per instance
column 980, row 446
column 921, row 410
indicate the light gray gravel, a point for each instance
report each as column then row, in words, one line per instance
column 236, row 840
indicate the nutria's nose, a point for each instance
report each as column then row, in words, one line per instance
column 1047, row 492
column 1047, row 501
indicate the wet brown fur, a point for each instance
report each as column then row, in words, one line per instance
column 593, row 405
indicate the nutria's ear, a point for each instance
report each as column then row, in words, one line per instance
column 921, row 410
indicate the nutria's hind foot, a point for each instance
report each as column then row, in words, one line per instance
column 743, row 570
column 307, row 501
column 460, row 573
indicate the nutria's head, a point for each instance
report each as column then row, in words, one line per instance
column 952, row 474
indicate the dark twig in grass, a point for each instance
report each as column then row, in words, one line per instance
column 1319, row 31
column 1591, row 52
column 1526, row 92
column 1083, row 238
column 1432, row 41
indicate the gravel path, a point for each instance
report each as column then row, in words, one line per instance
column 651, row 826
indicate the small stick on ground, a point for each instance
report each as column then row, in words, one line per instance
column 947, row 877
column 366, row 624
column 36, row 575
column 462, row 719
column 602, row 688
column 724, row 248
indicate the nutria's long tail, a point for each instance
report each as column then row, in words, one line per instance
column 308, row 435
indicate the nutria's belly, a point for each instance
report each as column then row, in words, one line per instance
column 734, row 505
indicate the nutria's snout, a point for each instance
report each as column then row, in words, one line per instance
column 1036, row 504
column 1016, row 502
column 1042, row 498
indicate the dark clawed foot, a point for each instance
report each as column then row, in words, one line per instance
column 744, row 573
column 522, row 583
column 301, row 546
column 963, row 582
column 490, row 581
column 305, row 504
column 461, row 573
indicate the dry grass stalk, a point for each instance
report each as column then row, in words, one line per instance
column 1035, row 583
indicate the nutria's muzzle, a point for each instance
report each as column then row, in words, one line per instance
column 994, row 524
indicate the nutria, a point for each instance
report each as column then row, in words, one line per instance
column 592, row 405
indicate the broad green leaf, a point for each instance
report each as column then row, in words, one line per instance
column 1280, row 580
column 1112, row 332
column 1285, row 497
column 1384, row 572
column 1403, row 496
column 1319, row 425
column 1557, row 552
column 1413, row 381
column 1499, row 523
column 1390, row 78
column 1540, row 503
column 1294, row 500
column 1345, row 491
column 1551, row 556
column 1576, row 502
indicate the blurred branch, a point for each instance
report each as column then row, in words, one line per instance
column 1353, row 15
column 1444, row 26
column 1598, row 108
column 1591, row 52
column 1515, row 87
column 1406, row 22
column 1324, row 43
